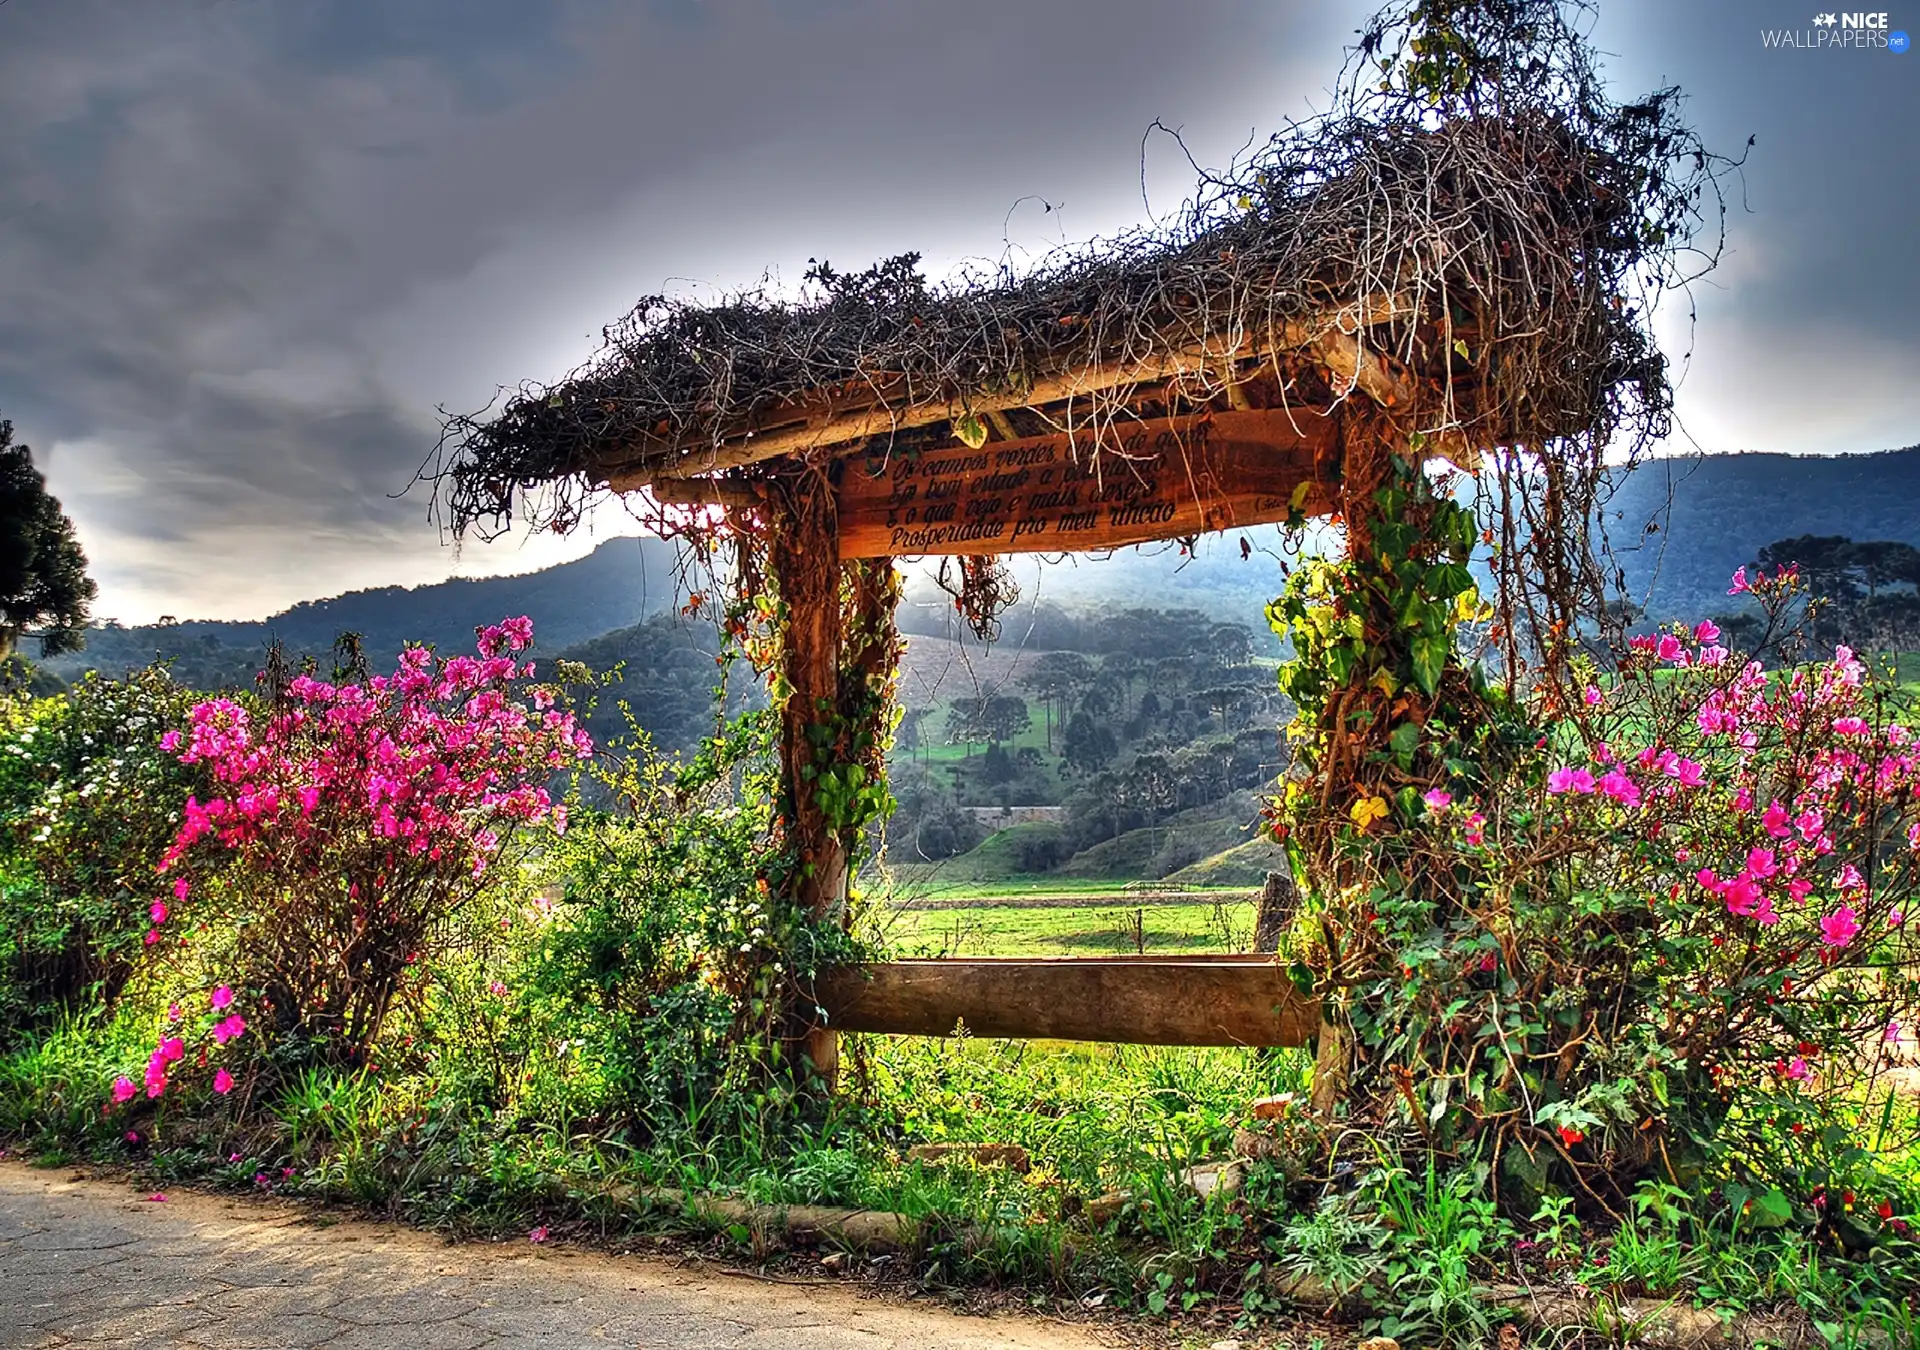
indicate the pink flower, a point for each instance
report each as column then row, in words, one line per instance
column 1437, row 799
column 1670, row 649
column 1706, row 631
column 228, row 1028
column 1591, row 695
column 158, row 1197
column 222, row 996
column 1620, row 787
column 174, row 1013
column 123, row 1089
column 1798, row 1070
column 1893, row 1033
column 1775, row 821
column 171, row 1049
column 170, row 741
column 1896, row 918
column 1761, row 864
column 151, row 937
column 1570, row 780
column 222, row 1082
column 1740, row 585
column 1743, row 897
column 1840, row 927
column 181, row 888
column 1850, row 726
column 158, row 911
column 538, row 1235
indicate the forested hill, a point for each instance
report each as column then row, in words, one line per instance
column 1726, row 508
column 1723, row 510
column 618, row 584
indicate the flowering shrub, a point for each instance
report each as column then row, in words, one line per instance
column 1683, row 905
column 348, row 823
column 87, row 807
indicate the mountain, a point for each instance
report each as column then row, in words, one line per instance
column 620, row 583
column 1678, row 529
column 1681, row 526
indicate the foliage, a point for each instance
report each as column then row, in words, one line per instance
column 1683, row 905
column 44, row 587
column 352, row 821
column 670, row 960
column 88, row 805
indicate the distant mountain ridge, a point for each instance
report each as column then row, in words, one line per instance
column 1679, row 527
column 1713, row 513
column 620, row 583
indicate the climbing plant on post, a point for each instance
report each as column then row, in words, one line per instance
column 837, row 654
column 1554, row 219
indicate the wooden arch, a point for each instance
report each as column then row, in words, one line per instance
column 1187, row 442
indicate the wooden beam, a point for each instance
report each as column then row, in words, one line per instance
column 810, row 427
column 1101, row 486
column 1188, row 1000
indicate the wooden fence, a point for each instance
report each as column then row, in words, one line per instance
column 1139, row 1000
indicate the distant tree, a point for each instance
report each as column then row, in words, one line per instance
column 1863, row 593
column 1087, row 747
column 999, row 767
column 1103, row 699
column 908, row 739
column 1056, row 679
column 44, row 587
column 1232, row 644
column 993, row 719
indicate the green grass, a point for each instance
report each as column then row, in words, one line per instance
column 1112, row 928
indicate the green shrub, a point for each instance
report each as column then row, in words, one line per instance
column 667, row 963
column 88, row 803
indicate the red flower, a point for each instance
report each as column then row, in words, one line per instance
column 1570, row 1136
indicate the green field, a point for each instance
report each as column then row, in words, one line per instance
column 1107, row 924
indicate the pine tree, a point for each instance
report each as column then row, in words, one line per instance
column 44, row 587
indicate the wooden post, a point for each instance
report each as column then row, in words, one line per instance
column 1278, row 901
column 804, row 557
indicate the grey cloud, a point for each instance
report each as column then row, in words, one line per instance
column 247, row 245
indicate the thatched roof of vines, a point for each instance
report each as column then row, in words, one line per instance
column 1473, row 232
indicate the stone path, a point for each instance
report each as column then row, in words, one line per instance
column 92, row 1263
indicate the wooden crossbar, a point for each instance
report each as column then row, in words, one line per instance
column 1150, row 1000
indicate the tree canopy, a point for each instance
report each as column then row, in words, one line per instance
column 44, row 587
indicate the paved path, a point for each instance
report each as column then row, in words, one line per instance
column 92, row 1263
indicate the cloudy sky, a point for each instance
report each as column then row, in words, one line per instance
column 247, row 246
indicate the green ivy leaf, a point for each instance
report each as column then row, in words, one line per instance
column 1430, row 651
column 971, row 431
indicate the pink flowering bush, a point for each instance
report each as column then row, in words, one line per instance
column 348, row 823
column 1677, row 914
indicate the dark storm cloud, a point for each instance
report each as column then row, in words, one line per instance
column 247, row 245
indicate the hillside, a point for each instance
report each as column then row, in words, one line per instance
column 620, row 583
column 1707, row 515
column 1725, row 508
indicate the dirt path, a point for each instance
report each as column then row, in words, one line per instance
column 86, row 1263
